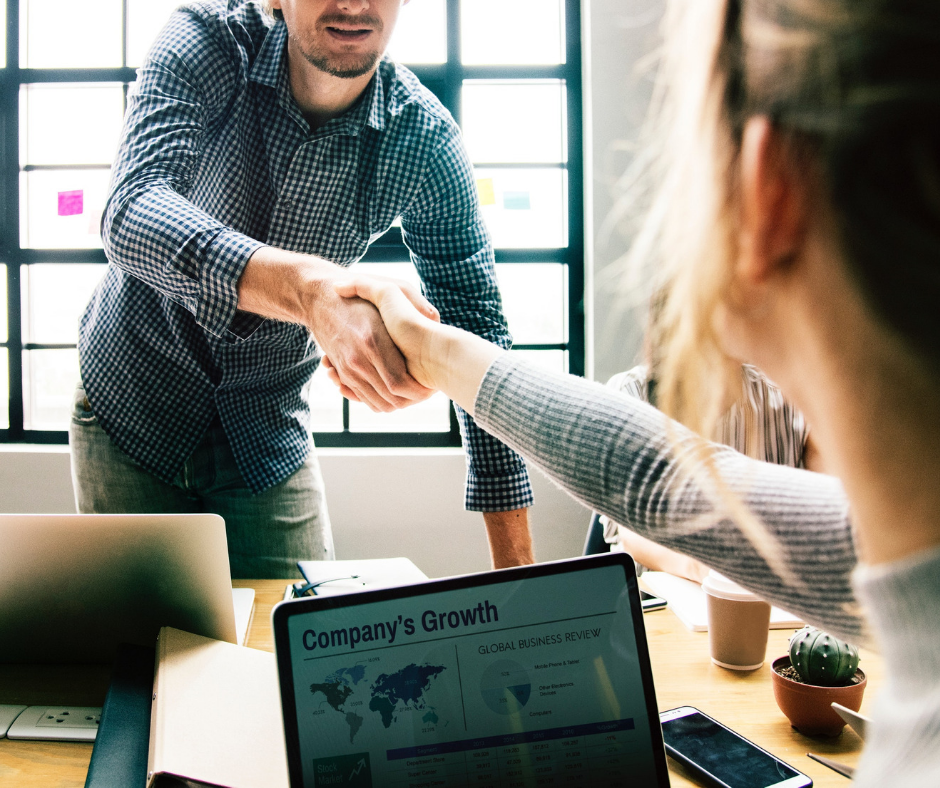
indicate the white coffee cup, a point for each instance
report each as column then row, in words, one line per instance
column 738, row 624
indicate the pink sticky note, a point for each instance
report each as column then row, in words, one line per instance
column 71, row 203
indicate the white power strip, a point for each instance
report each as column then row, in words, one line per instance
column 7, row 715
column 57, row 723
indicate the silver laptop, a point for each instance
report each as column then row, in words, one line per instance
column 72, row 587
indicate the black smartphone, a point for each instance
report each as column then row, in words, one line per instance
column 722, row 758
column 650, row 602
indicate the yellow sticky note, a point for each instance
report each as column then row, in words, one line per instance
column 486, row 192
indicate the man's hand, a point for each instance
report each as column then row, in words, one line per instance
column 509, row 537
column 438, row 356
column 361, row 357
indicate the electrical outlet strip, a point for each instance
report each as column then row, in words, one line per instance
column 7, row 715
column 57, row 723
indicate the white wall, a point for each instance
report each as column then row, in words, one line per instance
column 388, row 503
column 622, row 34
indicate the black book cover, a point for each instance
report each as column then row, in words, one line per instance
column 119, row 757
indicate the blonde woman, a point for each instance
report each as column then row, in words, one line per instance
column 800, row 226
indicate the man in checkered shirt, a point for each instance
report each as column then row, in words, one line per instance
column 263, row 150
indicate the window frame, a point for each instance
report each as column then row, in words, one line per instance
column 445, row 80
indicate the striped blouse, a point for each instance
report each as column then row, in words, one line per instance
column 762, row 424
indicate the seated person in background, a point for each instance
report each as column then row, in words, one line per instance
column 760, row 424
column 798, row 226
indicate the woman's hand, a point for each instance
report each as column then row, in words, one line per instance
column 437, row 356
column 409, row 318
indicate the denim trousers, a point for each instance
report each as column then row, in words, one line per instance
column 267, row 533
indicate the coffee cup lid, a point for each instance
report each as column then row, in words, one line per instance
column 720, row 586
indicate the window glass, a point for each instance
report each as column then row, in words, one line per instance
column 514, row 121
column 4, row 335
column 3, row 35
column 70, row 33
column 552, row 360
column 70, row 124
column 61, row 209
column 524, row 208
column 535, row 301
column 432, row 415
column 145, row 19
column 4, row 390
column 421, row 33
column 326, row 403
column 49, row 378
column 54, row 297
column 509, row 32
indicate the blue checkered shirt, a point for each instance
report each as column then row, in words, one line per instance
column 216, row 161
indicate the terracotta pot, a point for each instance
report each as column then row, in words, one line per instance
column 808, row 706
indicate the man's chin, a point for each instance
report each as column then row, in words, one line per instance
column 345, row 67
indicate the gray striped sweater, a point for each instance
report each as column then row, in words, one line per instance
column 618, row 456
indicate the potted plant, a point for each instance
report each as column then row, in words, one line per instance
column 819, row 670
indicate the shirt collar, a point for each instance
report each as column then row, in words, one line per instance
column 270, row 69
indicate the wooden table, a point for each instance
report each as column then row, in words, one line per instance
column 684, row 676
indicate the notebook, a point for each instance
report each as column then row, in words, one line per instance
column 215, row 718
column 499, row 678
column 325, row 578
column 687, row 601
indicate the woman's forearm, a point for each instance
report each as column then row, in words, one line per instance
column 617, row 456
column 457, row 363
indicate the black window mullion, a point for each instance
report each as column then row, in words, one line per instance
column 575, row 188
column 10, row 153
column 68, row 75
column 14, row 352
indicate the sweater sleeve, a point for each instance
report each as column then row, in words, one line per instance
column 624, row 459
column 903, row 747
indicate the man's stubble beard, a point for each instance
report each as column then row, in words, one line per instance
column 343, row 65
column 327, row 63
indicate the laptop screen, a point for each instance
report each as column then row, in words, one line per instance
column 534, row 676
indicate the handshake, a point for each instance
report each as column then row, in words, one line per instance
column 385, row 346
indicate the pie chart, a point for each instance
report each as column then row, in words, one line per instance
column 505, row 687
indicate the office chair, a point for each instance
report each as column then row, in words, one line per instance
column 594, row 543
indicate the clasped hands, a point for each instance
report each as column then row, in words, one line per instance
column 382, row 360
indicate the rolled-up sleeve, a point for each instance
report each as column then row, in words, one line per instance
column 150, row 227
column 451, row 248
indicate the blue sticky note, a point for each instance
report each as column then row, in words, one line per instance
column 516, row 201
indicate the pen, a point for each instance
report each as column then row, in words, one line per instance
column 841, row 768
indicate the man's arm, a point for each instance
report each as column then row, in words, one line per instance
column 510, row 538
column 452, row 251
column 298, row 288
column 153, row 231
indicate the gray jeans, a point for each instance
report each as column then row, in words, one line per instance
column 267, row 533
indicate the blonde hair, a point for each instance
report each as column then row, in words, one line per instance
column 854, row 83
column 854, row 87
column 272, row 12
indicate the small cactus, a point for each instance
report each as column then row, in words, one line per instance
column 821, row 659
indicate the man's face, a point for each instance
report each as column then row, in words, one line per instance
column 344, row 38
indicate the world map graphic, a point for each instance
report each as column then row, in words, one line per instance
column 388, row 696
